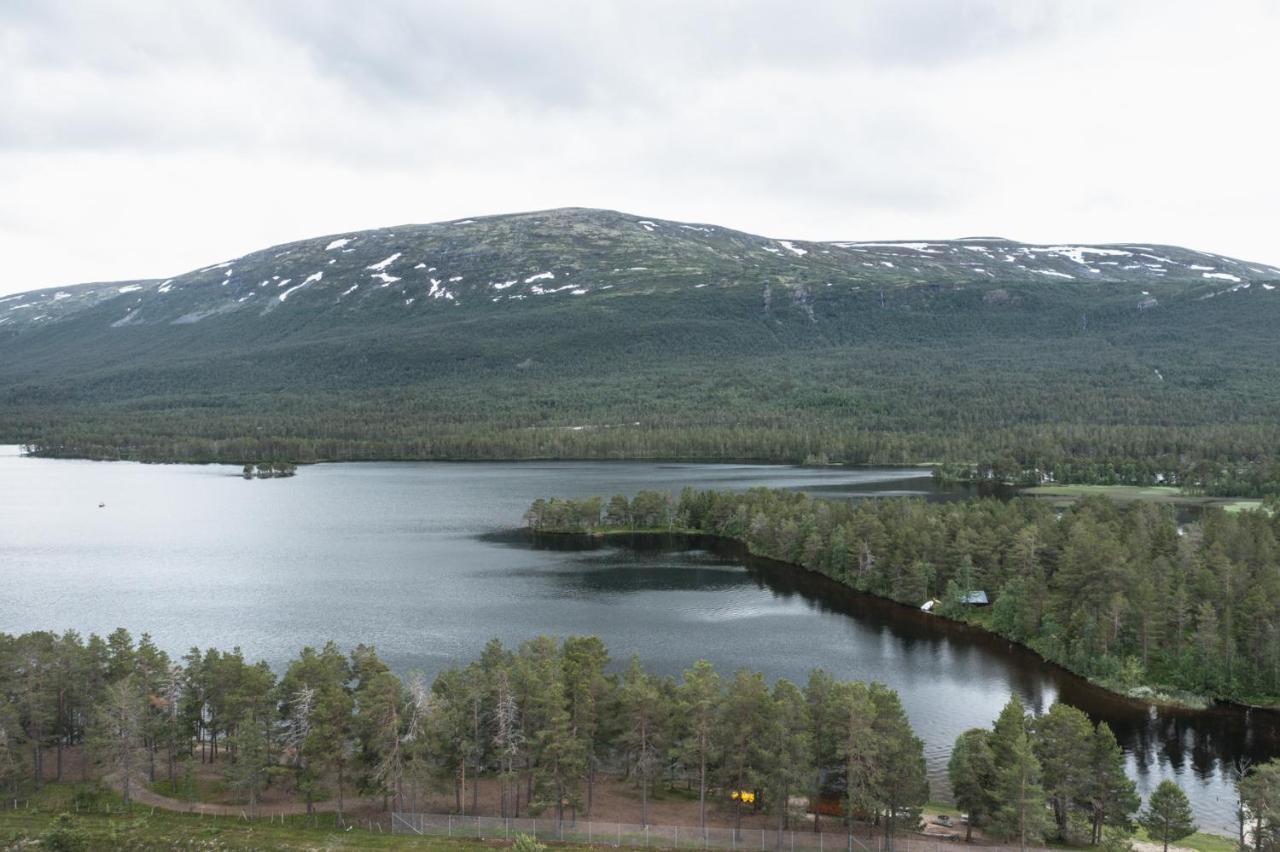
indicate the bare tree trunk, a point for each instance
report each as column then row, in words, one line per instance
column 817, row 801
column 702, row 790
column 341, row 779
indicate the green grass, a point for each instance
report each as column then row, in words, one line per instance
column 1243, row 506
column 111, row 826
column 942, row 808
column 1200, row 841
column 201, row 789
column 1129, row 493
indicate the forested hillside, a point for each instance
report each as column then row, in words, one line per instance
column 580, row 333
column 1120, row 594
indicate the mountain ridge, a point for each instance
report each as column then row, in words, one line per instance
column 512, row 257
column 599, row 334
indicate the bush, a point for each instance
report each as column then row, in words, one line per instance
column 63, row 836
column 526, row 843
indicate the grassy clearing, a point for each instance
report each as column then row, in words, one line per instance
column 940, row 808
column 106, row 824
column 1130, row 493
column 1200, row 841
column 196, row 789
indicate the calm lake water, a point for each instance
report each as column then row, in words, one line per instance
column 424, row 561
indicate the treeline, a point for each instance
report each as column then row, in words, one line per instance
column 1121, row 594
column 1199, row 476
column 1056, row 776
column 1225, row 462
column 544, row 719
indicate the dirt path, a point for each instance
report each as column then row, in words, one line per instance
column 139, row 793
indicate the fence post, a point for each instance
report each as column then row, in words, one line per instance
column 450, row 825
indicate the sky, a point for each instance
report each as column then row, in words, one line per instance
column 144, row 139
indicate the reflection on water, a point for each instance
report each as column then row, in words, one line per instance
column 424, row 561
column 915, row 652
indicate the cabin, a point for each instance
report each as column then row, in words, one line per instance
column 974, row 598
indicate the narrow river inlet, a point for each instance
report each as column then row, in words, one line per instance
column 426, row 562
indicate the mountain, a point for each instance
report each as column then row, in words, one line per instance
column 504, row 260
column 596, row 333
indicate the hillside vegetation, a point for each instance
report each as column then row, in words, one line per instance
column 582, row 333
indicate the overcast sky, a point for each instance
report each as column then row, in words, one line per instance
column 143, row 139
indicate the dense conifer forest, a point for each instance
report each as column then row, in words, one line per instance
column 1124, row 595
column 547, row 720
column 669, row 342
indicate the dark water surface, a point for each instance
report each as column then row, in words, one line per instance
column 421, row 560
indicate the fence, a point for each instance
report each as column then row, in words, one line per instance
column 667, row 836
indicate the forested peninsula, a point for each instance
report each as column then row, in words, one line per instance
column 1123, row 595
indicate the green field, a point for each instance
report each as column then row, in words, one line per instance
column 1129, row 493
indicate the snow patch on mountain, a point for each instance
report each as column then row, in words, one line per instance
column 383, row 264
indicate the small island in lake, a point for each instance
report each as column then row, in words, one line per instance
column 269, row 470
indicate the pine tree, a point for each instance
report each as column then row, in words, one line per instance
column 639, row 698
column 1112, row 795
column 117, row 736
column 1167, row 817
column 1063, row 743
column 902, row 787
column 743, row 727
column 1020, row 813
column 789, row 748
column 700, row 694
column 857, row 751
column 822, row 694
column 251, row 762
column 971, row 771
column 586, row 691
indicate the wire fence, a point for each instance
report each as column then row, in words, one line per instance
column 669, row 836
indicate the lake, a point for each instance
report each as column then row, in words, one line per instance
column 425, row 561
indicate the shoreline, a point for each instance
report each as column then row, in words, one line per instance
column 1150, row 695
